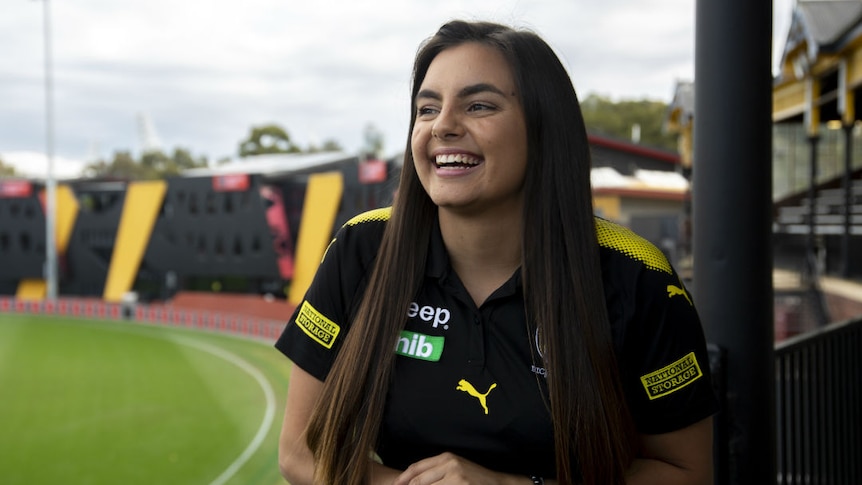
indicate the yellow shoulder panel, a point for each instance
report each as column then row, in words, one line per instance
column 381, row 214
column 624, row 240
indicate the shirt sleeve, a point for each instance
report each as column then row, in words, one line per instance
column 665, row 361
column 318, row 326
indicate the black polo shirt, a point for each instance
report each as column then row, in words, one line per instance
column 470, row 380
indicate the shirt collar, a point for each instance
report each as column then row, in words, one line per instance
column 438, row 265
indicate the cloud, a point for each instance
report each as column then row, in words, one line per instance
column 35, row 165
column 205, row 72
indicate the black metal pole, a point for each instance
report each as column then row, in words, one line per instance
column 50, row 269
column 811, row 273
column 732, row 202
column 848, row 200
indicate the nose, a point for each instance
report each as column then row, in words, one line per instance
column 447, row 125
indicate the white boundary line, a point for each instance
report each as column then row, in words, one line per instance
column 269, row 414
column 265, row 386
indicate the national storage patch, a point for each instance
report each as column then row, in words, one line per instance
column 672, row 377
column 318, row 327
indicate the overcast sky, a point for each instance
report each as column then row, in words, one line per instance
column 203, row 72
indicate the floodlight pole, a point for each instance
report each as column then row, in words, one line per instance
column 50, row 269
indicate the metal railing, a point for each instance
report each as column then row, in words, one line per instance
column 818, row 399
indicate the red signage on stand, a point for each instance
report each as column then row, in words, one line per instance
column 231, row 183
column 372, row 171
column 15, row 189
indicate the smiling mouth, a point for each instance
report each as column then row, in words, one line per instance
column 459, row 160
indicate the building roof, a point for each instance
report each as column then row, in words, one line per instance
column 643, row 184
column 637, row 149
column 826, row 21
column 680, row 111
column 275, row 165
column 820, row 25
column 608, row 177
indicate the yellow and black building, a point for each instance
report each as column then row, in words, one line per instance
column 258, row 225
column 816, row 143
column 817, row 137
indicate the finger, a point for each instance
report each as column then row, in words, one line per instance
column 425, row 469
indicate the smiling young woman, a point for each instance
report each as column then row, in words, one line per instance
column 470, row 139
column 488, row 329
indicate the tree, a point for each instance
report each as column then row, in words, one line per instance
column 152, row 165
column 264, row 139
column 616, row 119
column 123, row 166
column 165, row 166
column 154, row 162
column 6, row 170
column 373, row 141
column 183, row 159
column 329, row 145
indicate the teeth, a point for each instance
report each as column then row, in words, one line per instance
column 456, row 159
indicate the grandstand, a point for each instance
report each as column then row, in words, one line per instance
column 244, row 227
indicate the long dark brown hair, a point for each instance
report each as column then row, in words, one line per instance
column 593, row 433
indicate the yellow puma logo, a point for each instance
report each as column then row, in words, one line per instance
column 465, row 386
column 676, row 290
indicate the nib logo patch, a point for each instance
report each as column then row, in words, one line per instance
column 419, row 346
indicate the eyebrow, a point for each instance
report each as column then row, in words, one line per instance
column 464, row 92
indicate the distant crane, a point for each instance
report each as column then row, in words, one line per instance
column 94, row 152
column 147, row 135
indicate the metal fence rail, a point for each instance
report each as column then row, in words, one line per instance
column 819, row 407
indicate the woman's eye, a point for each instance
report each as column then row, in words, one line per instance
column 425, row 110
column 480, row 107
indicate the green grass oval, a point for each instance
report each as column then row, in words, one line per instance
column 88, row 402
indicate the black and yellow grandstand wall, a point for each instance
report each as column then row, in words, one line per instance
column 22, row 234
column 240, row 232
column 88, row 256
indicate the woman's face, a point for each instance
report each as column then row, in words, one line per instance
column 470, row 139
